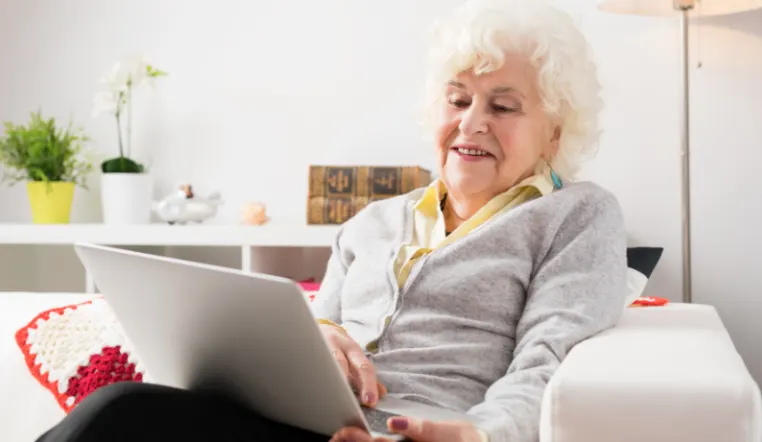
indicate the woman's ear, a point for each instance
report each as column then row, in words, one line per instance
column 555, row 141
column 556, row 134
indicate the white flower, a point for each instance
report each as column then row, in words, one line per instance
column 119, row 84
column 132, row 69
column 136, row 67
column 105, row 102
column 127, row 74
column 115, row 79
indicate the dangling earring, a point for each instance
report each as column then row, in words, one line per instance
column 557, row 183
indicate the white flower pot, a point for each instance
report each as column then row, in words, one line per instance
column 126, row 198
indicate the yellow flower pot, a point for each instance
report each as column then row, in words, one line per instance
column 50, row 202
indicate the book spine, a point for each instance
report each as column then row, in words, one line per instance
column 333, row 210
column 329, row 181
column 365, row 181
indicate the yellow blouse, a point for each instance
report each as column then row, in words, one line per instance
column 429, row 224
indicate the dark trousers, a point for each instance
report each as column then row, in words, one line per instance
column 134, row 411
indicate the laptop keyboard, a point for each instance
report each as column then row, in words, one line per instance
column 377, row 419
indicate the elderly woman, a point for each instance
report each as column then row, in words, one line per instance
column 466, row 294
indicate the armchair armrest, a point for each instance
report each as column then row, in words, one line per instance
column 664, row 374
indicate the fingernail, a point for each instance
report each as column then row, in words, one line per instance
column 399, row 423
column 368, row 398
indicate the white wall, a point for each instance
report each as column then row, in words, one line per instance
column 259, row 90
column 727, row 149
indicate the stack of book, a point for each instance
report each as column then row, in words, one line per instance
column 337, row 193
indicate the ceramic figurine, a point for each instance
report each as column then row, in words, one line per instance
column 255, row 214
column 188, row 189
column 182, row 206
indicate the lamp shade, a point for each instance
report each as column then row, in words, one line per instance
column 667, row 7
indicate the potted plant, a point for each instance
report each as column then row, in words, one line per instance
column 126, row 185
column 50, row 160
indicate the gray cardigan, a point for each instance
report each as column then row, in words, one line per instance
column 482, row 324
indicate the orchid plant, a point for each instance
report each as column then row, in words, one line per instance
column 120, row 82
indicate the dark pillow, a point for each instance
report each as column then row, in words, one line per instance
column 644, row 259
column 641, row 262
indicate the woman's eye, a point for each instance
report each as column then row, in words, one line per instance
column 499, row 108
column 458, row 103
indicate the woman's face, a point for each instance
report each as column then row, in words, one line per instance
column 492, row 130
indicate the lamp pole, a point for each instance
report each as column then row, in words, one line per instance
column 684, row 7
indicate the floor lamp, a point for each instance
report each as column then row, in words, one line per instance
column 682, row 9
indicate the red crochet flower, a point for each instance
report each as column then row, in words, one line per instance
column 108, row 367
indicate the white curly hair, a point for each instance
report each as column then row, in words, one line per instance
column 478, row 35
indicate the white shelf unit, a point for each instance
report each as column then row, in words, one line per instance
column 164, row 234
column 247, row 238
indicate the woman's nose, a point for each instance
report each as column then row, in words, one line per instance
column 473, row 122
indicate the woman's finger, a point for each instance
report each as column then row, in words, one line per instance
column 337, row 350
column 382, row 391
column 364, row 373
column 356, row 367
column 338, row 354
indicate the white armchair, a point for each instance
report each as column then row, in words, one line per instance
column 664, row 374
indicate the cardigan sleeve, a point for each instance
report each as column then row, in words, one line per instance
column 577, row 290
column 327, row 303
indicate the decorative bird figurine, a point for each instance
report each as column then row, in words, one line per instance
column 182, row 206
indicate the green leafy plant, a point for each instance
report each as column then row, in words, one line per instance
column 120, row 83
column 42, row 151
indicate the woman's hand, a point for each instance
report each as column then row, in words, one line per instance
column 357, row 368
column 417, row 430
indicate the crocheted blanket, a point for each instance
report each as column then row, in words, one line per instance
column 75, row 349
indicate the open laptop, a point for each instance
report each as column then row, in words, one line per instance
column 246, row 335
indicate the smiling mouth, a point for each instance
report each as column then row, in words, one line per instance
column 472, row 152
